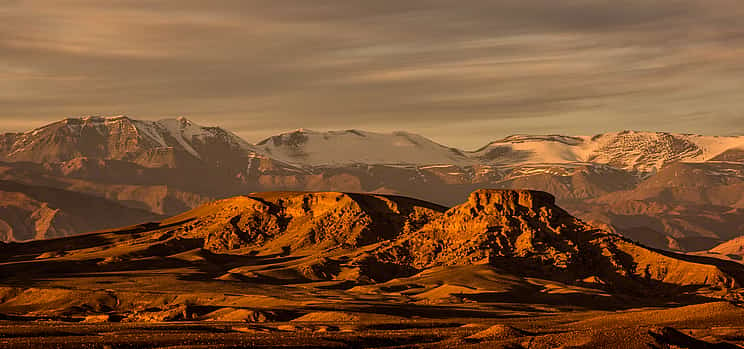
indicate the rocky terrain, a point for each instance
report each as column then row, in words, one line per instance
column 504, row 268
column 672, row 191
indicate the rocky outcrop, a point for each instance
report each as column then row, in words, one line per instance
column 499, row 223
column 368, row 238
column 282, row 221
column 524, row 231
column 380, row 237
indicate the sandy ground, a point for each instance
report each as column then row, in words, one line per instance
column 703, row 326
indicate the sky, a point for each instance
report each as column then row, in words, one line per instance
column 460, row 72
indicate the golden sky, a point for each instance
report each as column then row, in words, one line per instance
column 460, row 72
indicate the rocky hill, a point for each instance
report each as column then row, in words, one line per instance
column 348, row 237
column 332, row 267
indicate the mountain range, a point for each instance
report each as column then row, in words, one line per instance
column 672, row 191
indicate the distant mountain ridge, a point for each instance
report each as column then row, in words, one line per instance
column 668, row 190
column 641, row 152
column 150, row 142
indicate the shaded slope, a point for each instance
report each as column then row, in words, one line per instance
column 53, row 212
column 684, row 206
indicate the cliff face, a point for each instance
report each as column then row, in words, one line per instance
column 499, row 223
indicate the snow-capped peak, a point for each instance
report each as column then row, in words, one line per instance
column 630, row 150
column 113, row 137
column 122, row 137
column 520, row 138
column 347, row 147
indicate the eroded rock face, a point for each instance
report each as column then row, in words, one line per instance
column 360, row 237
column 251, row 227
column 509, row 202
column 525, row 230
column 497, row 223
column 290, row 221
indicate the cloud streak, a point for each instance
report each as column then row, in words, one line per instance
column 463, row 73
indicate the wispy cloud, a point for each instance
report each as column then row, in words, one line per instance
column 484, row 68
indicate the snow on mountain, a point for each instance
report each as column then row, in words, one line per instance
column 628, row 150
column 170, row 142
column 334, row 148
column 120, row 138
column 186, row 133
column 525, row 149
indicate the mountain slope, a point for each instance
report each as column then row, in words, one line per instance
column 169, row 142
column 32, row 212
column 732, row 250
column 526, row 230
column 338, row 148
column 629, row 150
column 276, row 221
column 685, row 206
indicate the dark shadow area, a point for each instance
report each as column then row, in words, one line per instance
column 728, row 267
column 30, row 273
column 669, row 336
column 408, row 310
column 411, row 325
column 17, row 251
